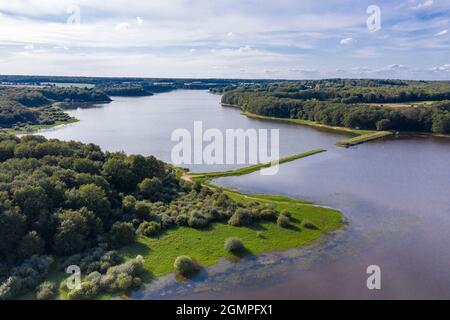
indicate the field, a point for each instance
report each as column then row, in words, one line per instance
column 207, row 246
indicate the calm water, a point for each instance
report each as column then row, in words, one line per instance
column 145, row 125
column 394, row 194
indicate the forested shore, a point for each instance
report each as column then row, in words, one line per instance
column 68, row 203
column 356, row 104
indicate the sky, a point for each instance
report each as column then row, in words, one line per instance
column 253, row 39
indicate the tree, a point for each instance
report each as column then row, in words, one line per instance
column 151, row 188
column 185, row 266
column 12, row 229
column 46, row 291
column 121, row 234
column 31, row 200
column 234, row 245
column 119, row 174
column 30, row 245
column 242, row 217
column 94, row 198
column 284, row 221
column 84, row 165
column 77, row 230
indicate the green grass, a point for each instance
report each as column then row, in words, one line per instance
column 37, row 127
column 364, row 138
column 72, row 85
column 207, row 246
column 253, row 168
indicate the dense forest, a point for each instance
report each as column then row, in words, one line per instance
column 356, row 104
column 71, row 201
column 24, row 106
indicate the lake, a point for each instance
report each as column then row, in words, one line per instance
column 394, row 194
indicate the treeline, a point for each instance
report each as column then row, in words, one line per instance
column 24, row 106
column 71, row 200
column 124, row 90
column 343, row 104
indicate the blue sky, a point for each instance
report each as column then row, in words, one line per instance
column 290, row 39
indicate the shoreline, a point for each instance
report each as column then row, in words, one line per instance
column 160, row 252
column 361, row 136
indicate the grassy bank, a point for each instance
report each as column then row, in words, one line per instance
column 364, row 138
column 207, row 246
column 34, row 128
column 253, row 168
column 361, row 135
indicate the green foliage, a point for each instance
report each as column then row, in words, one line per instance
column 234, row 245
column 149, row 229
column 242, row 217
column 31, row 244
column 185, row 266
column 25, row 277
column 46, row 291
column 151, row 188
column 197, row 220
column 284, row 221
column 117, row 278
column 121, row 234
column 76, row 232
column 346, row 103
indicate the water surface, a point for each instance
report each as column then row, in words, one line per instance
column 394, row 194
column 144, row 125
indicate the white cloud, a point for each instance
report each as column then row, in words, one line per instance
column 347, row 41
column 441, row 33
column 140, row 21
column 425, row 4
column 245, row 49
column 123, row 26
column 443, row 68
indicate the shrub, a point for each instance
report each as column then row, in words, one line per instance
column 185, row 266
column 142, row 209
column 123, row 281
column 128, row 203
column 25, row 277
column 120, row 277
column 283, row 221
column 267, row 214
column 30, row 245
column 132, row 267
column 149, row 228
column 310, row 225
column 151, row 188
column 46, row 291
column 182, row 220
column 197, row 220
column 241, row 217
column 234, row 245
column 286, row 214
column 86, row 291
column 121, row 234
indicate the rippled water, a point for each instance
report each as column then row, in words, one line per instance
column 394, row 194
